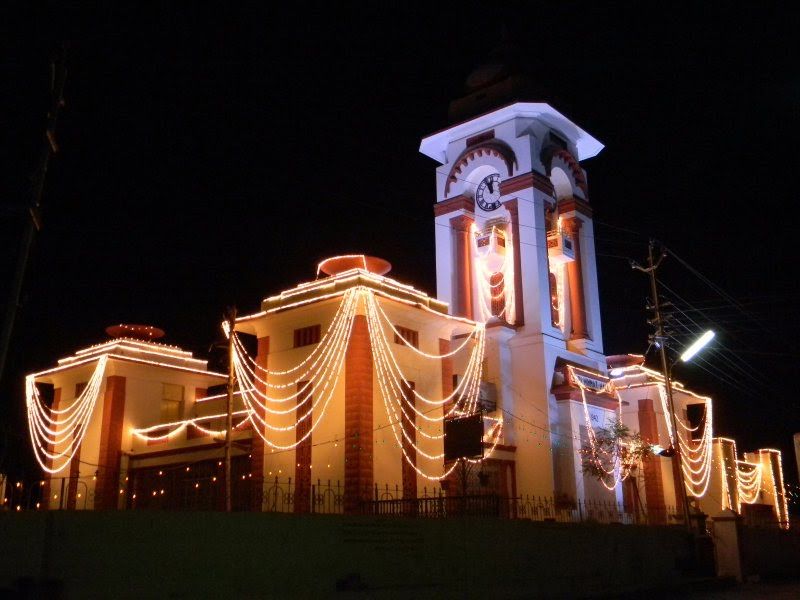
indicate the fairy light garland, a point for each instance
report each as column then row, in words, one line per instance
column 781, row 504
column 251, row 395
column 326, row 366
column 486, row 289
column 71, row 422
column 331, row 359
column 382, row 343
column 320, row 348
column 620, row 469
column 696, row 458
column 143, row 433
column 321, row 368
column 748, row 482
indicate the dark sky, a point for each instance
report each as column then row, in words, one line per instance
column 211, row 158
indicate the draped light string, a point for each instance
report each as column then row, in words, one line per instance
column 331, row 357
column 466, row 388
column 783, row 506
column 783, row 492
column 70, row 423
column 322, row 345
column 471, row 373
column 748, row 482
column 416, row 350
column 696, row 458
column 494, row 434
column 503, row 289
column 325, row 366
column 620, row 469
column 394, row 388
column 329, row 378
column 144, row 433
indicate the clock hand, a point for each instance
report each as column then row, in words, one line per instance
column 490, row 185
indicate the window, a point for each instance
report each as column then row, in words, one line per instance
column 306, row 336
column 497, row 288
column 409, row 335
column 696, row 415
column 171, row 402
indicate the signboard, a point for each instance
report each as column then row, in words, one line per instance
column 590, row 382
column 463, row 437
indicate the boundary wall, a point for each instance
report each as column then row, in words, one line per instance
column 135, row 554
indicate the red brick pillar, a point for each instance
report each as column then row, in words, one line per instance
column 358, row 476
column 462, row 294
column 653, row 485
column 258, row 447
column 106, row 491
column 51, row 482
column 519, row 305
column 575, row 273
column 409, row 439
column 302, row 469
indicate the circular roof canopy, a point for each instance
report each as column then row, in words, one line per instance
column 138, row 332
column 339, row 264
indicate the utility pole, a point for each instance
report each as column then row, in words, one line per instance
column 660, row 338
column 231, row 318
column 34, row 222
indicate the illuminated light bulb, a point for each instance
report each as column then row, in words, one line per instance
column 79, row 494
column 134, row 496
column 154, row 492
column 19, row 508
column 38, row 505
column 162, row 492
column 187, row 469
column 55, row 496
column 161, row 472
column 122, row 491
column 698, row 345
column 196, row 485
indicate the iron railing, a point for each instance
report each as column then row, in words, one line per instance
column 179, row 489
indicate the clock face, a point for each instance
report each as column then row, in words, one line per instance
column 487, row 194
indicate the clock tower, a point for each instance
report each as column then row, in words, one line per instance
column 515, row 249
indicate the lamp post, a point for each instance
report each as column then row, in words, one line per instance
column 231, row 319
column 666, row 368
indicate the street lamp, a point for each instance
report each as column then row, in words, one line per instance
column 698, row 345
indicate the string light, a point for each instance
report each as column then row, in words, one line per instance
column 70, row 423
column 485, row 258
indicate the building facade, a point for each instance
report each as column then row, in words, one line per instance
column 346, row 383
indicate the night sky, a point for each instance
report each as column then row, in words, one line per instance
column 209, row 159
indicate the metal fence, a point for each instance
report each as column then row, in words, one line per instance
column 196, row 489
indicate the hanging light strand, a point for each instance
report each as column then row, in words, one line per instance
column 70, row 423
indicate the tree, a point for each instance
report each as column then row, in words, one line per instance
column 613, row 453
